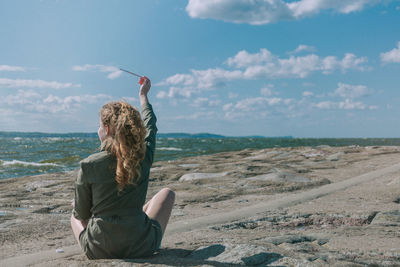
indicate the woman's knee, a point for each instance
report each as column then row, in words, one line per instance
column 168, row 194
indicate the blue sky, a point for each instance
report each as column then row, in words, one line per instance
column 305, row 68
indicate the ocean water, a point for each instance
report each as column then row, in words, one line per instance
column 24, row 154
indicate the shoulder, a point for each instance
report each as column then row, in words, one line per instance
column 96, row 158
column 97, row 165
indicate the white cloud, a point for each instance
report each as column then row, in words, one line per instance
column 258, row 12
column 113, row 72
column 32, row 101
column 392, row 56
column 12, row 83
column 307, row 93
column 232, row 95
column 305, row 8
column 11, row 68
column 256, row 65
column 203, row 79
column 349, row 93
column 373, row 107
column 265, row 64
column 352, row 91
column 254, row 107
column 326, row 105
column 254, row 12
column 185, row 85
column 267, row 90
column 21, row 98
column 197, row 115
column 246, row 59
column 349, row 104
column 205, row 102
column 303, row 48
column 130, row 99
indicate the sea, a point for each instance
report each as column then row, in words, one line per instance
column 26, row 154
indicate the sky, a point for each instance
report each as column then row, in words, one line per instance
column 302, row 68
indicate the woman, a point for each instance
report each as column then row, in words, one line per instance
column 109, row 218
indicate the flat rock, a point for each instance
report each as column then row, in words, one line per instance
column 335, row 157
column 261, row 156
column 280, row 177
column 199, row 176
column 292, row 239
column 389, row 218
column 189, row 165
column 242, row 254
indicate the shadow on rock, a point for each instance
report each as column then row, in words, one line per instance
column 213, row 255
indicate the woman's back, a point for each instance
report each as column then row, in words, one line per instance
column 110, row 219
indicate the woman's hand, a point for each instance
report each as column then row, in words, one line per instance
column 144, row 89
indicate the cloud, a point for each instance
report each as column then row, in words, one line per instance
column 11, row 68
column 349, row 104
column 349, row 93
column 232, row 95
column 352, row 91
column 12, row 83
column 253, row 107
column 261, row 65
column 240, row 11
column 113, row 72
column 267, row 90
column 392, row 56
column 306, row 8
column 303, row 48
column 197, row 115
column 29, row 100
column 307, row 94
column 130, row 99
column 185, row 85
column 21, row 98
column 258, row 12
column 265, row 64
column 205, row 102
column 325, row 105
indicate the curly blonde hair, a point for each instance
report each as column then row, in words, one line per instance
column 125, row 140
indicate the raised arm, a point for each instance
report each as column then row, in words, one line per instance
column 149, row 119
column 144, row 90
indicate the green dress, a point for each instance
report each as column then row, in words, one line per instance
column 117, row 227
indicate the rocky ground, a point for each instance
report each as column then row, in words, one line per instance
column 356, row 226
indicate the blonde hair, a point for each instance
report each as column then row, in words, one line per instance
column 125, row 140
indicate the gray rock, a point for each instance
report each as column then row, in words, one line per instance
column 262, row 156
column 32, row 186
column 194, row 165
column 335, row 157
column 242, row 254
column 291, row 239
column 178, row 212
column 389, row 218
column 280, row 177
column 199, row 176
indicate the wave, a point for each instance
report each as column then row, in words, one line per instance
column 25, row 163
column 170, row 148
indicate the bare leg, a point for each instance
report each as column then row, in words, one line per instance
column 77, row 227
column 160, row 206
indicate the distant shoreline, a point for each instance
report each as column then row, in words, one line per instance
column 174, row 135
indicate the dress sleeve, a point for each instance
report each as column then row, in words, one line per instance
column 149, row 119
column 83, row 197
